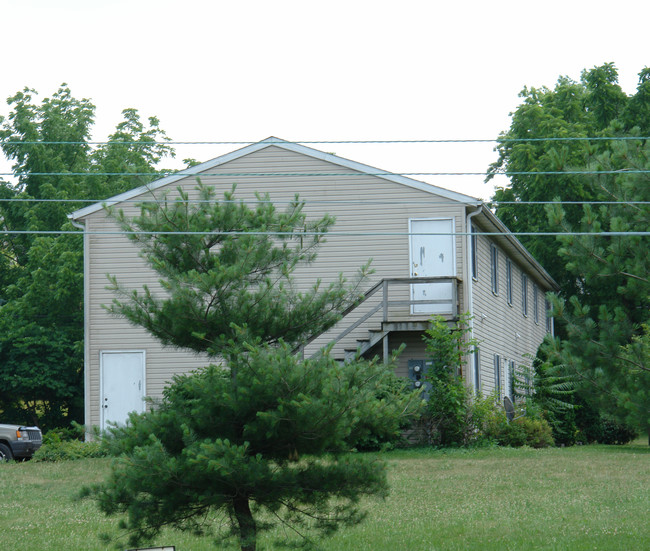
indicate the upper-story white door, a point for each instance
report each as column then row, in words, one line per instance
column 432, row 254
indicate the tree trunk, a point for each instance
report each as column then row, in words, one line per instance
column 247, row 528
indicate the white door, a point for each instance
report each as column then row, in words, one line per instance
column 122, row 386
column 432, row 255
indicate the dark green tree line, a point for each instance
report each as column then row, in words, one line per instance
column 41, row 276
column 594, row 107
column 603, row 303
column 606, row 337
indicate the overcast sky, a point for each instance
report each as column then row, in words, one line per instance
column 335, row 70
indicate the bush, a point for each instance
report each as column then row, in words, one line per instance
column 524, row 431
column 455, row 417
column 447, row 421
column 393, row 386
column 538, row 432
column 69, row 450
column 67, row 444
column 613, row 432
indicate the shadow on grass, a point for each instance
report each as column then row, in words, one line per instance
column 629, row 448
column 636, row 447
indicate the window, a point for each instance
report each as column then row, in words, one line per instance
column 477, row 371
column 474, row 253
column 511, row 379
column 494, row 260
column 535, row 304
column 497, row 375
column 524, row 294
column 549, row 319
column 509, row 281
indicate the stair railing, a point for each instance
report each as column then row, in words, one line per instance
column 385, row 304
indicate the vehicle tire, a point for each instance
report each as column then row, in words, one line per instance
column 5, row 453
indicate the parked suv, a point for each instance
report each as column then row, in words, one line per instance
column 19, row 442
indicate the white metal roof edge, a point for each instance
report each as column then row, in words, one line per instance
column 290, row 146
column 367, row 169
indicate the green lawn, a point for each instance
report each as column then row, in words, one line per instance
column 591, row 497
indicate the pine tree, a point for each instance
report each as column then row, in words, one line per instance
column 261, row 430
column 606, row 344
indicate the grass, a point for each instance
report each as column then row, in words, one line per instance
column 590, row 497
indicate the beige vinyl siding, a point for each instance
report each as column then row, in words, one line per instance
column 415, row 349
column 112, row 254
column 499, row 327
column 361, row 204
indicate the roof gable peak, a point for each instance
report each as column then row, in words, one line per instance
column 273, row 141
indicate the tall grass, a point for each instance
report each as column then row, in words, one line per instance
column 591, row 497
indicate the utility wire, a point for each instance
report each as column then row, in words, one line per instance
column 328, row 142
column 332, row 174
column 397, row 202
column 299, row 234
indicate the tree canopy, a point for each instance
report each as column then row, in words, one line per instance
column 590, row 126
column 594, row 107
column 606, row 327
column 41, row 275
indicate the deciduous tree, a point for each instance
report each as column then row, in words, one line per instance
column 538, row 142
column 604, row 288
column 41, row 276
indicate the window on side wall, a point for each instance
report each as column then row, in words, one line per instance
column 528, row 380
column 509, row 281
column 535, row 304
column 511, row 379
column 549, row 319
column 477, row 371
column 524, row 294
column 494, row 262
column 497, row 375
column 474, row 253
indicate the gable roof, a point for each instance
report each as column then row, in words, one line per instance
column 290, row 146
column 485, row 214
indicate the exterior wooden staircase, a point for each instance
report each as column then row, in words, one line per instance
column 385, row 310
column 375, row 336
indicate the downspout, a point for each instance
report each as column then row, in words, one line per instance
column 470, row 282
column 87, row 420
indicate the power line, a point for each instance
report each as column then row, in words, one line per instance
column 335, row 174
column 396, row 202
column 299, row 234
column 330, row 142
